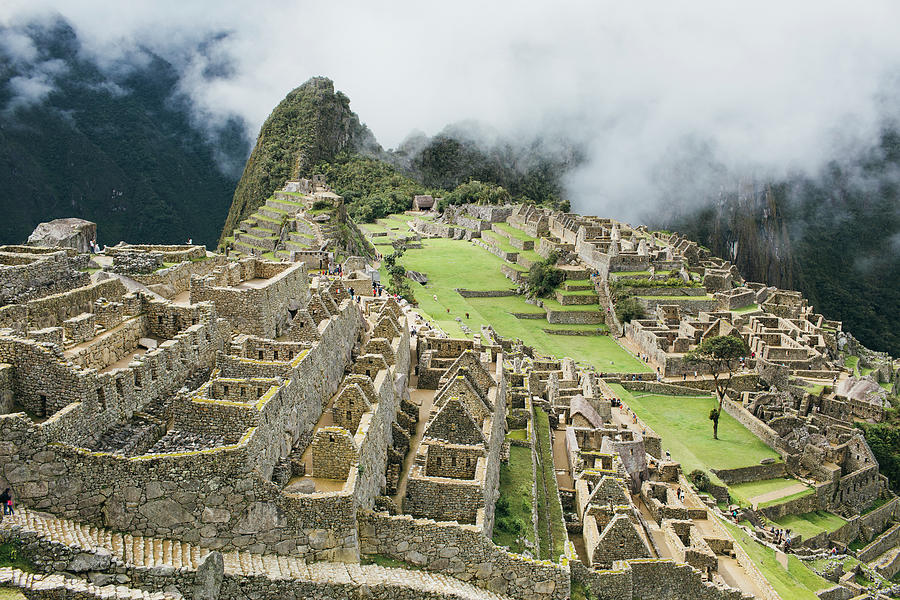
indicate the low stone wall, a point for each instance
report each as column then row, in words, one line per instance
column 512, row 274
column 651, row 578
column 112, row 345
column 461, row 551
column 51, row 311
column 751, row 473
column 575, row 299
column 880, row 545
column 656, row 387
column 485, row 293
column 766, row 434
column 179, row 276
column 509, row 257
column 692, row 305
column 575, row 317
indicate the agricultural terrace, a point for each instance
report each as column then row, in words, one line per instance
column 450, row 264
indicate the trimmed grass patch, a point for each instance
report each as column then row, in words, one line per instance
column 514, row 503
column 746, row 491
column 452, row 264
column 811, row 524
column 683, row 422
column 805, row 492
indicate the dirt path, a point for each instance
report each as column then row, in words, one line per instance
column 424, row 399
column 775, row 495
column 564, row 478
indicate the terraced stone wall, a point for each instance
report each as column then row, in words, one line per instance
column 464, row 552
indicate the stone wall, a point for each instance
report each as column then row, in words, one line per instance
column 219, row 497
column 51, row 311
column 111, row 346
column 575, row 317
column 260, row 311
column 751, row 473
column 179, row 276
column 26, row 276
column 485, row 293
column 461, row 551
column 766, row 434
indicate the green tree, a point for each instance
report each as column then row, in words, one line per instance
column 544, row 277
column 720, row 354
column 628, row 308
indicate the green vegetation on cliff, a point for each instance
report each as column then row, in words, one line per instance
column 312, row 125
column 371, row 188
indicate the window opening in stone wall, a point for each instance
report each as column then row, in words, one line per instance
column 225, row 390
column 349, row 415
column 137, row 379
column 159, row 320
column 120, row 388
column 101, row 398
column 260, row 355
column 437, row 461
column 275, row 355
column 43, row 399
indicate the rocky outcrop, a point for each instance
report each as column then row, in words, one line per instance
column 64, row 233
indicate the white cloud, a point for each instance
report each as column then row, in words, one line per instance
column 765, row 87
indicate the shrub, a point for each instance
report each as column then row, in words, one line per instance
column 544, row 277
column 628, row 309
column 700, row 480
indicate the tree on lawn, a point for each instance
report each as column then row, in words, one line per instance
column 720, row 354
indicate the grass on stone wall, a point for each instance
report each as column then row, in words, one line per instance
column 811, row 524
column 513, row 514
column 8, row 593
column 550, row 516
column 387, row 561
column 797, row 582
column 788, row 498
column 752, row 489
column 11, row 556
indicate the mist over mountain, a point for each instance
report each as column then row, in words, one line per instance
column 115, row 145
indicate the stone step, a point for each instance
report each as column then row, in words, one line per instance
column 57, row 586
column 153, row 552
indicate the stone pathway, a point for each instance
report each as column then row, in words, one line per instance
column 154, row 552
column 776, row 494
column 58, row 586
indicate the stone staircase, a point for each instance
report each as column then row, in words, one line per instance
column 58, row 586
column 141, row 551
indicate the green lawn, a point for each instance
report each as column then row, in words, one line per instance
column 549, row 509
column 746, row 309
column 515, row 502
column 516, row 233
column 811, row 524
column 7, row 593
column 746, row 491
column 551, row 304
column 683, row 422
column 452, row 264
column 797, row 582
column 517, row 434
column 784, row 499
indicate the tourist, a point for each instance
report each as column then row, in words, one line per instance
column 467, row 315
column 6, row 497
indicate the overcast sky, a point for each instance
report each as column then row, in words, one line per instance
column 761, row 87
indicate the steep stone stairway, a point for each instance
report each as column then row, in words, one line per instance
column 141, row 551
column 66, row 587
